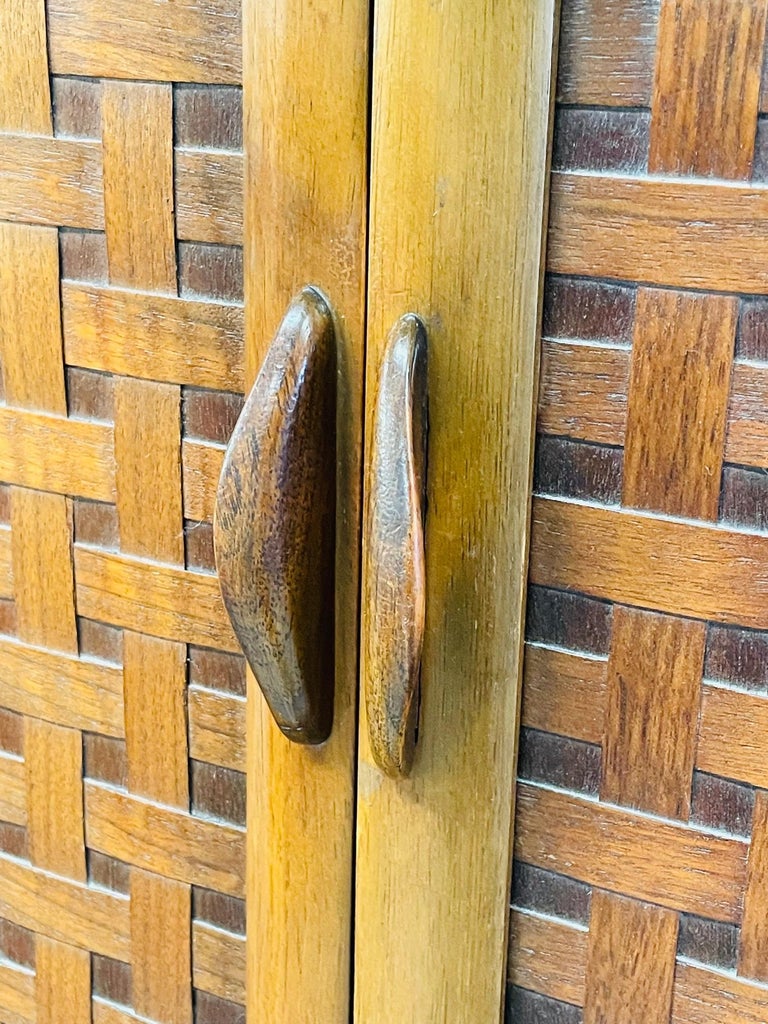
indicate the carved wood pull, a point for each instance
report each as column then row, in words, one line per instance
column 275, row 522
column 394, row 573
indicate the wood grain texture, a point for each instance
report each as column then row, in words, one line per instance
column 726, row 714
column 218, row 962
column 548, row 956
column 673, row 562
column 607, row 52
column 51, row 182
column 713, row 997
column 306, row 146
column 673, row 865
column 753, row 945
column 649, row 743
column 394, row 586
column 448, row 112
column 13, row 794
column 209, row 196
column 155, row 720
column 53, row 759
column 706, row 87
column 678, row 397
column 138, row 185
column 182, row 42
column 86, row 917
column 62, row 978
column 148, row 420
column 160, row 338
column 201, row 464
column 275, row 522
column 161, row 986
column 217, row 728
column 30, row 336
column 681, row 234
column 165, row 841
column 17, row 993
column 129, row 592
column 631, row 961
column 25, row 94
column 564, row 693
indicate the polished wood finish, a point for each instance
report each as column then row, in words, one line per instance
column 305, row 69
column 460, row 142
column 394, row 585
column 641, row 822
column 275, row 522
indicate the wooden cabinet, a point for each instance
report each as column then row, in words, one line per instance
column 172, row 174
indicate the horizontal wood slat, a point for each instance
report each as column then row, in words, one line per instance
column 51, row 181
column 148, row 39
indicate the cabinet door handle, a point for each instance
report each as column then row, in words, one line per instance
column 394, row 593
column 275, row 522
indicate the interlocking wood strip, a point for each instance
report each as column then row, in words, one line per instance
column 114, row 313
column 644, row 719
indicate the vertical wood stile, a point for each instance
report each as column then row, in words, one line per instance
column 461, row 106
column 305, row 68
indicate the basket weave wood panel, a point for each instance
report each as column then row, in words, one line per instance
column 640, row 886
column 121, row 695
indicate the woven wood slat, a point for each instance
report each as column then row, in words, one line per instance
column 121, row 689
column 639, row 887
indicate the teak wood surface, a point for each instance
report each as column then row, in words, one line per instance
column 639, row 889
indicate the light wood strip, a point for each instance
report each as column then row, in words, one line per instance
column 155, row 719
column 454, row 116
column 678, row 397
column 217, row 728
column 90, row 918
column 13, row 791
column 6, row 563
column 25, row 93
column 164, row 840
column 714, row 997
column 564, row 693
column 697, row 571
column 162, row 985
column 674, row 865
column 160, row 600
column 218, row 962
column 62, row 979
column 209, row 196
column 733, row 732
column 53, row 757
column 746, row 440
column 201, row 471
column 706, row 87
column 17, row 994
column 80, row 694
column 306, row 151
column 183, row 341
column 51, row 181
column 607, row 50
column 138, row 184
column 682, row 234
column 30, row 323
column 547, row 956
column 148, row 458
column 179, row 42
column 621, row 979
column 654, row 677
column 52, row 453
column 583, row 391
column 41, row 541
column 753, row 941
column 110, row 1013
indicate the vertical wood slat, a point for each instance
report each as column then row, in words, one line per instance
column 25, row 93
column 162, row 975
column 305, row 141
column 138, row 184
column 62, row 980
column 753, row 947
column 459, row 162
column 707, row 86
column 630, row 961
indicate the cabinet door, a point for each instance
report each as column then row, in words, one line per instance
column 642, row 817
column 122, row 785
column 461, row 103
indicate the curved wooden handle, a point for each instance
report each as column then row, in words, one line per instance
column 275, row 522
column 394, row 582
